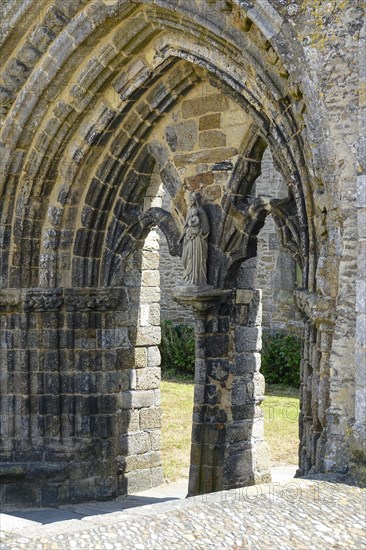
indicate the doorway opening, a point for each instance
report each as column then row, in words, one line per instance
column 276, row 273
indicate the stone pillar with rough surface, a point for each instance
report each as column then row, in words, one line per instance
column 317, row 425
column 228, row 448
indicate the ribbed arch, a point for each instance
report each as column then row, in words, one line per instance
column 83, row 124
column 86, row 91
column 130, row 178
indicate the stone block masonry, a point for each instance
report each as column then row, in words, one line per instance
column 73, row 394
column 205, row 120
column 191, row 130
column 102, row 104
column 228, row 447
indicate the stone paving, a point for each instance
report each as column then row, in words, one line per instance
column 298, row 514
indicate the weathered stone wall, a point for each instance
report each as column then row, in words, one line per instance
column 207, row 118
column 82, row 372
column 331, row 55
column 359, row 427
column 275, row 268
column 80, row 387
column 88, row 91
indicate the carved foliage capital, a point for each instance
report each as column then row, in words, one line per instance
column 89, row 299
column 54, row 299
column 41, row 299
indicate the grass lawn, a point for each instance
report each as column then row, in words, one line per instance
column 177, row 405
column 281, row 409
column 281, row 423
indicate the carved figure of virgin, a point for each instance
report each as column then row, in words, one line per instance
column 195, row 246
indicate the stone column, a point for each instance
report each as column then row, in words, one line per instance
column 211, row 410
column 247, row 459
column 358, row 436
column 228, row 448
column 306, row 410
column 315, row 406
column 140, row 458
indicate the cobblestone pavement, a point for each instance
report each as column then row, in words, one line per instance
column 300, row 514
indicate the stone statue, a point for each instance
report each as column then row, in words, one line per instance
column 195, row 247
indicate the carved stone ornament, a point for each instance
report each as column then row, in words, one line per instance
column 42, row 299
column 200, row 298
column 89, row 299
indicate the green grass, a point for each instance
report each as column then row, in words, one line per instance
column 281, row 414
column 177, row 405
column 281, row 409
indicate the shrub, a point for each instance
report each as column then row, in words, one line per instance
column 281, row 356
column 177, row 348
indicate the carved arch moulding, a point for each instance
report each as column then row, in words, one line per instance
column 88, row 92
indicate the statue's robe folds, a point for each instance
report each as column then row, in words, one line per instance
column 195, row 250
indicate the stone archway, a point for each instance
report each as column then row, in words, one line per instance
column 82, row 93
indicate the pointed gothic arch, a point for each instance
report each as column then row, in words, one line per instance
column 84, row 88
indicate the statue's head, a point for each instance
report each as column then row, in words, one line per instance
column 195, row 198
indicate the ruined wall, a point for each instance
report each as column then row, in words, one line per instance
column 337, row 69
column 88, row 91
column 275, row 269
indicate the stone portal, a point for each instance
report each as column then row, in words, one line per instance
column 101, row 104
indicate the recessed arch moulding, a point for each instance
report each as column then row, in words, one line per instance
column 89, row 92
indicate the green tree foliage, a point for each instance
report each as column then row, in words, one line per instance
column 177, row 348
column 281, row 356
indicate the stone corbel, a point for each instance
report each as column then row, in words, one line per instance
column 200, row 298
